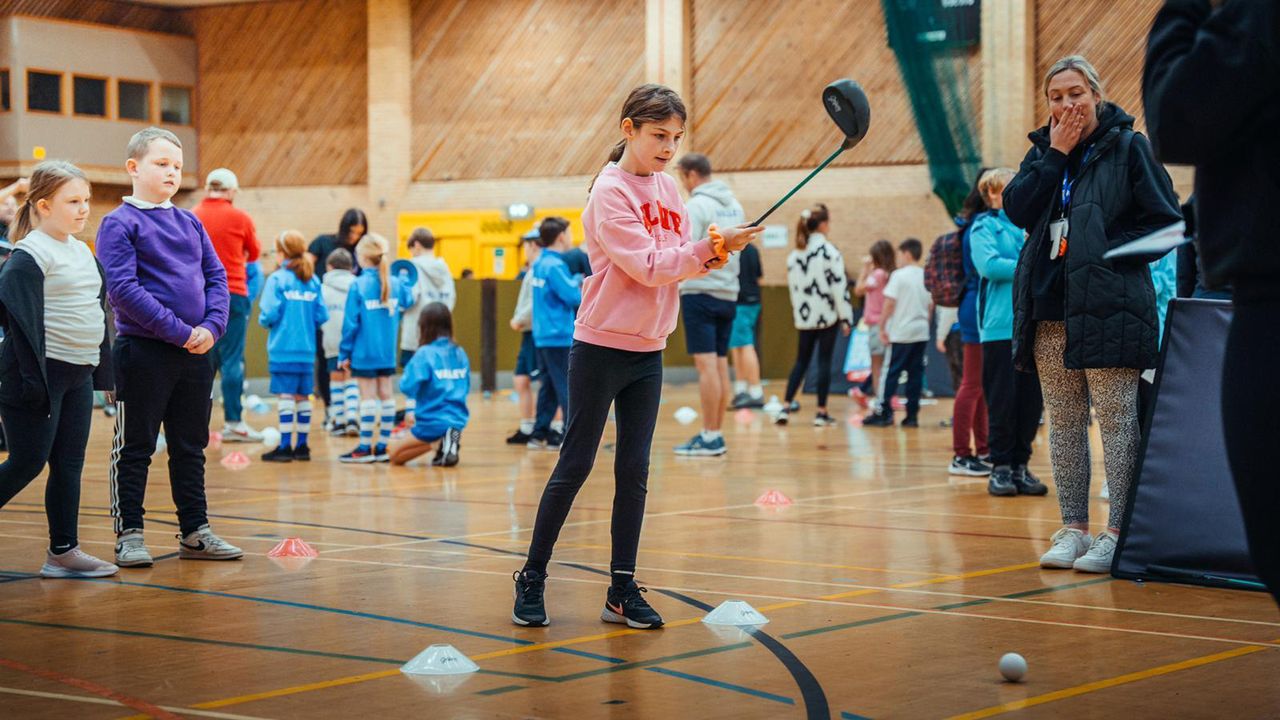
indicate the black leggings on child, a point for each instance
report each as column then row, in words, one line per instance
column 57, row 438
column 824, row 340
column 632, row 383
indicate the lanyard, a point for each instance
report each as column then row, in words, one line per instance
column 1068, row 185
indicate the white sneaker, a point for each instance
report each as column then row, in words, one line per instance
column 240, row 432
column 204, row 545
column 131, row 551
column 1069, row 544
column 1098, row 559
column 76, row 563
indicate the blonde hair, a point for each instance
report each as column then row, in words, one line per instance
column 373, row 248
column 1080, row 65
column 993, row 181
column 293, row 247
column 141, row 141
column 48, row 177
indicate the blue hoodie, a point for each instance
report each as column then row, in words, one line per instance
column 291, row 310
column 995, row 243
column 556, row 297
column 438, row 378
column 1164, row 276
column 369, row 328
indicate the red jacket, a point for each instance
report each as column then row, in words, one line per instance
column 234, row 239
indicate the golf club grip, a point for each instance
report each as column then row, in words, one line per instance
column 801, row 184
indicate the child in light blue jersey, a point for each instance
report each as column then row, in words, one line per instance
column 292, row 308
column 438, row 378
column 368, row 348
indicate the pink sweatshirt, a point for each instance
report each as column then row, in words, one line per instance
column 639, row 244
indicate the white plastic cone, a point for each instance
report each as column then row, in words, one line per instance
column 686, row 415
column 439, row 660
column 735, row 612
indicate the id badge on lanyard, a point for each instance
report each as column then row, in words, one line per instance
column 1059, row 229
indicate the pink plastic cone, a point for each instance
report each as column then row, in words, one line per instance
column 215, row 441
column 236, row 461
column 773, row 498
column 293, row 547
column 744, row 416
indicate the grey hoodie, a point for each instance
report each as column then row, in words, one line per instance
column 334, row 290
column 435, row 284
column 713, row 202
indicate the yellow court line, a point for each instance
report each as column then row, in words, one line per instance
column 536, row 647
column 1108, row 683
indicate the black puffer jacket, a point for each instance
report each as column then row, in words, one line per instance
column 1121, row 194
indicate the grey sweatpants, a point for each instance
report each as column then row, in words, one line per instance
column 1067, row 396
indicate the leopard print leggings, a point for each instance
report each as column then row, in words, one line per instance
column 1067, row 395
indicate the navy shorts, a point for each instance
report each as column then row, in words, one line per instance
column 384, row 372
column 293, row 383
column 527, row 360
column 405, row 357
column 708, row 322
column 331, row 364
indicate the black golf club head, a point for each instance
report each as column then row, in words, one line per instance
column 847, row 105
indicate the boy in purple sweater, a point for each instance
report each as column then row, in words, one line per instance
column 169, row 294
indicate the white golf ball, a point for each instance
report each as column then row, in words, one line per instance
column 686, row 415
column 270, row 437
column 1013, row 667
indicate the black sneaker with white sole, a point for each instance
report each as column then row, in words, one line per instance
column 530, row 611
column 969, row 466
column 447, row 451
column 626, row 605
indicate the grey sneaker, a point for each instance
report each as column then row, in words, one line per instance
column 76, row 563
column 131, row 551
column 204, row 545
column 1069, row 545
column 1098, row 559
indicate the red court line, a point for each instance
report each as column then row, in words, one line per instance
column 866, row 527
column 140, row 705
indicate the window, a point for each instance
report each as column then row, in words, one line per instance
column 90, row 96
column 175, row 105
column 44, row 91
column 4, row 90
column 134, row 100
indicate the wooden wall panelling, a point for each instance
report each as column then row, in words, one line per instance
column 283, row 91
column 521, row 88
column 1112, row 35
column 122, row 14
column 759, row 67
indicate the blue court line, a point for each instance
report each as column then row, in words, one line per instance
column 501, row 690
column 851, row 716
column 337, row 611
column 724, row 685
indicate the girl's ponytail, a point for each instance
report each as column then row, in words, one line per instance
column 22, row 225
column 374, row 249
column 293, row 246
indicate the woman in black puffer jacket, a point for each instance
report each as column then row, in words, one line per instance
column 1088, row 184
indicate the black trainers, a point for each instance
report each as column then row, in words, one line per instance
column 529, row 609
column 627, row 605
column 879, row 419
column 1000, row 483
column 519, row 438
column 1026, row 483
column 282, row 454
column 912, row 421
column 302, row 453
column 447, row 450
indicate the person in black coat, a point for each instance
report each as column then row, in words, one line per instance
column 1212, row 97
column 55, row 354
column 1089, row 326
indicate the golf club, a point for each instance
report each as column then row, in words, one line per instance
column 847, row 105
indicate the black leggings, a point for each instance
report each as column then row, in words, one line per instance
column 58, row 438
column 1250, row 423
column 825, row 341
column 1014, row 405
column 600, row 376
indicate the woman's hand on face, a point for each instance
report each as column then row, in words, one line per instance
column 736, row 238
column 1064, row 134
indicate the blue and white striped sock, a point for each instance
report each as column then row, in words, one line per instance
column 286, row 421
column 388, row 421
column 303, row 422
column 352, row 391
column 368, row 416
column 337, row 409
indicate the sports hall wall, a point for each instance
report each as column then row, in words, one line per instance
column 393, row 105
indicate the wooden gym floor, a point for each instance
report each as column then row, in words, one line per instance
column 892, row 591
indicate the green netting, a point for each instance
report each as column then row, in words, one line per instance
column 932, row 41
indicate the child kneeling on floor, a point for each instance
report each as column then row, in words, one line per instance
column 438, row 378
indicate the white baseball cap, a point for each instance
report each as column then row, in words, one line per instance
column 223, row 179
